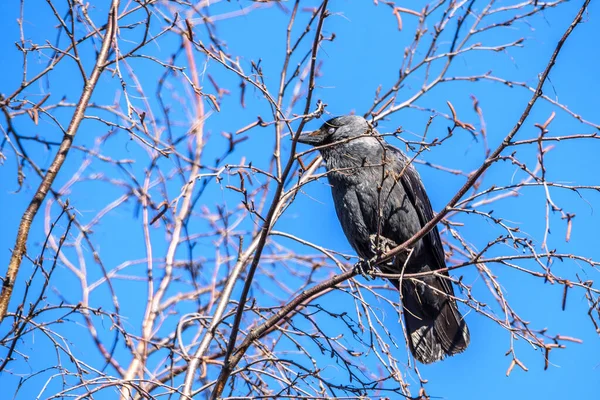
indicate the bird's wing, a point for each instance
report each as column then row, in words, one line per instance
column 411, row 182
column 434, row 324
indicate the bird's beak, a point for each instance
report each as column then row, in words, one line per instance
column 313, row 138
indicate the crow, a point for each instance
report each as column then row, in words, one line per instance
column 380, row 202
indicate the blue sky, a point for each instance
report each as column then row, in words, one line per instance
column 366, row 53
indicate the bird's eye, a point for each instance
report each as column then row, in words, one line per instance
column 330, row 130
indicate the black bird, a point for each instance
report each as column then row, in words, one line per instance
column 381, row 202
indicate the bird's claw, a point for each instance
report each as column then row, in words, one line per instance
column 365, row 268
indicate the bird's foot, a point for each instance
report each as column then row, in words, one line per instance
column 380, row 244
column 365, row 268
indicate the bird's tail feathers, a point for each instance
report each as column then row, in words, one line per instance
column 434, row 326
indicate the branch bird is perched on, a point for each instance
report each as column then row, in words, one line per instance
column 380, row 199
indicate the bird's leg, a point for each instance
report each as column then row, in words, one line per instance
column 365, row 268
column 381, row 245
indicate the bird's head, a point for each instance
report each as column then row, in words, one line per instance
column 340, row 129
